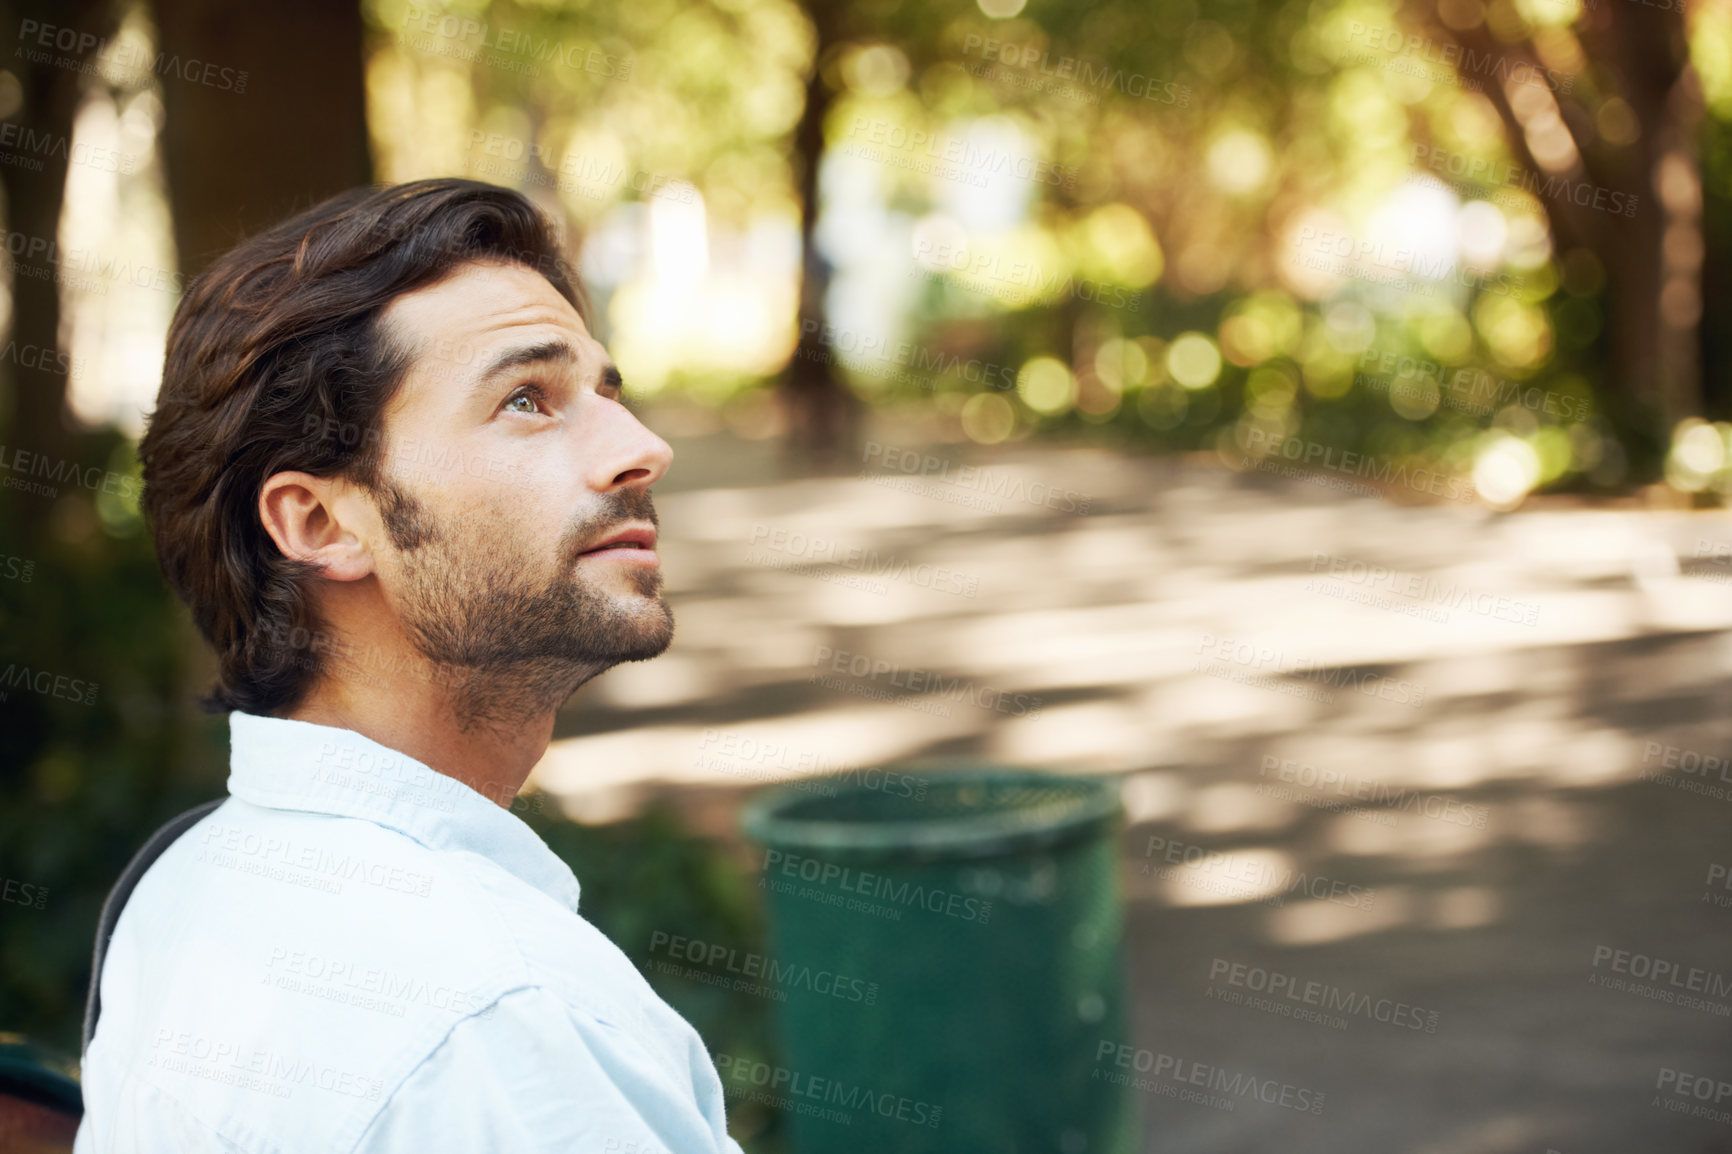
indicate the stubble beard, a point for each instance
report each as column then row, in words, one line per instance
column 507, row 648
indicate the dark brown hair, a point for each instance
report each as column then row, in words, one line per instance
column 277, row 360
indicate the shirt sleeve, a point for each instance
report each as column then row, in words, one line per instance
column 533, row 1076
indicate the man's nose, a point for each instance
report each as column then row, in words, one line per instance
column 632, row 455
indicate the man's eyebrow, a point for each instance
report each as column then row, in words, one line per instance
column 553, row 352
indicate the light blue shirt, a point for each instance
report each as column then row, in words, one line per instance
column 355, row 953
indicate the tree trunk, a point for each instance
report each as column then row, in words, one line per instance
column 1653, row 258
column 823, row 414
column 1676, row 179
column 43, row 121
column 244, row 154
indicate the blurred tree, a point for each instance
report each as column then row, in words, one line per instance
column 40, row 94
column 1629, row 123
column 279, row 124
column 1711, row 54
column 822, row 412
column 39, row 951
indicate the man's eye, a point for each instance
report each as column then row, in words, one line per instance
column 525, row 400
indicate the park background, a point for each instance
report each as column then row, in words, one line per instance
column 1070, row 352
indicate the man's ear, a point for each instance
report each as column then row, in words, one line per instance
column 315, row 519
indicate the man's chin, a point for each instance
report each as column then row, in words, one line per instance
column 646, row 633
column 650, row 649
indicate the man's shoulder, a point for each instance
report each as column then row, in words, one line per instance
column 290, row 971
column 342, row 909
column 316, row 873
column 341, row 885
column 294, row 968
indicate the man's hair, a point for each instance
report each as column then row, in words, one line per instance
column 277, row 360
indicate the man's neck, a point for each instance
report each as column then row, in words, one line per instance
column 492, row 752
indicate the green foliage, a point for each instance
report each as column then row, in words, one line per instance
column 91, row 765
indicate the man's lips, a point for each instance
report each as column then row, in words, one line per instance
column 633, row 543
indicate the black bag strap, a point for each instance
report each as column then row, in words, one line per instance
column 116, row 901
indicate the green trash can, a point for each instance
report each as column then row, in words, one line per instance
column 972, row 915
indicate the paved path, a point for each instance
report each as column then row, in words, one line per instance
column 1418, row 756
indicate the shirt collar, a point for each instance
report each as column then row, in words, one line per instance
column 297, row 765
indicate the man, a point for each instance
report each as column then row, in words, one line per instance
column 390, row 472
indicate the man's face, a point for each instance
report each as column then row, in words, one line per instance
column 508, row 458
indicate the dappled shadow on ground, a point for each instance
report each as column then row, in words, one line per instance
column 1442, row 966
